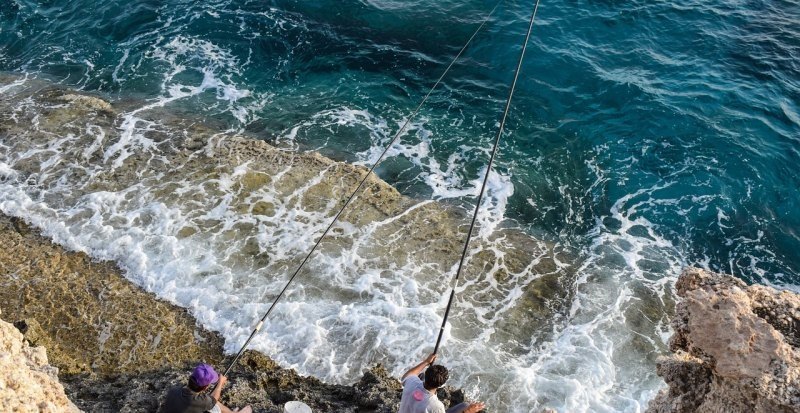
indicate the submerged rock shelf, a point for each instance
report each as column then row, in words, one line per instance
column 119, row 347
column 144, row 198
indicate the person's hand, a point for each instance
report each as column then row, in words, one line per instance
column 430, row 359
column 222, row 380
column 475, row 407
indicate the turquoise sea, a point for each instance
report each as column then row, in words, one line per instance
column 644, row 137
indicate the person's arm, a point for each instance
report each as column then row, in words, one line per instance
column 416, row 370
column 217, row 393
column 475, row 407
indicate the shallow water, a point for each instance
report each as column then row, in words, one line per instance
column 644, row 137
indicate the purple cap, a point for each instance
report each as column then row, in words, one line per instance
column 203, row 375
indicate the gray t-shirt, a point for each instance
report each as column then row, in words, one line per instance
column 181, row 399
column 417, row 399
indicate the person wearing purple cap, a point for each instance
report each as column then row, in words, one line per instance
column 192, row 397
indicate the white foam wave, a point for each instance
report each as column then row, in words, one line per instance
column 353, row 307
column 188, row 57
column 17, row 82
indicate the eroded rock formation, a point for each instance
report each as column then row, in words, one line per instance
column 735, row 348
column 27, row 382
column 114, row 167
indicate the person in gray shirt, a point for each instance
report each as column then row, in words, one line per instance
column 192, row 397
column 419, row 396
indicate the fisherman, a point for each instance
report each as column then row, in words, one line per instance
column 420, row 396
column 192, row 397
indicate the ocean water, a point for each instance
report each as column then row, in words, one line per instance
column 644, row 137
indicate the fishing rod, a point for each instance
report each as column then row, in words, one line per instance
column 486, row 178
column 394, row 140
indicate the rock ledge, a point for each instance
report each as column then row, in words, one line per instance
column 735, row 348
column 27, row 382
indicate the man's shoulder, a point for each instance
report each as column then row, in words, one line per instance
column 175, row 392
column 411, row 379
column 180, row 398
column 174, row 401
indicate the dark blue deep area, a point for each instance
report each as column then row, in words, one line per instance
column 685, row 115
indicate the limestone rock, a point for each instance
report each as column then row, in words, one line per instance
column 27, row 382
column 736, row 348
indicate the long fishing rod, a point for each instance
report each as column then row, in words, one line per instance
column 486, row 177
column 358, row 188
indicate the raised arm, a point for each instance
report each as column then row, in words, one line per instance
column 416, row 370
column 217, row 393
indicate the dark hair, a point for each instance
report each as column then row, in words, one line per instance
column 435, row 376
column 194, row 387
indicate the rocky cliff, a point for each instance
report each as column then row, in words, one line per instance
column 735, row 348
column 27, row 382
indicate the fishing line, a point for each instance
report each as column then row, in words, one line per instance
column 358, row 188
column 486, row 178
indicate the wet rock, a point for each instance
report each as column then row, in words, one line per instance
column 263, row 185
column 689, row 381
column 32, row 332
column 376, row 390
column 133, row 376
column 735, row 348
column 88, row 316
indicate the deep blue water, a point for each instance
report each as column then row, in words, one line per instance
column 696, row 103
column 646, row 135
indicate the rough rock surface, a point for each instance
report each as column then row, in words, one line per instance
column 736, row 348
column 143, row 372
column 87, row 315
column 27, row 382
column 256, row 381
